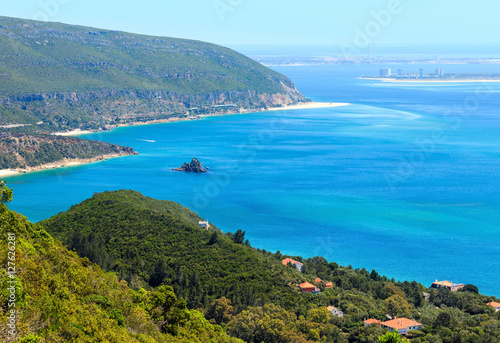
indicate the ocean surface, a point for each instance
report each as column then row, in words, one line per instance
column 405, row 180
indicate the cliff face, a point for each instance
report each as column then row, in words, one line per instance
column 78, row 77
column 26, row 152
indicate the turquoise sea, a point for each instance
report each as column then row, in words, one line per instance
column 405, row 180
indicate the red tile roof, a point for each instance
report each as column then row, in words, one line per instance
column 401, row 323
column 494, row 304
column 328, row 284
column 306, row 285
column 317, row 280
column 289, row 260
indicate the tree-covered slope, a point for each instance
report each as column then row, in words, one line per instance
column 55, row 72
column 60, row 297
column 147, row 242
column 150, row 242
column 24, row 152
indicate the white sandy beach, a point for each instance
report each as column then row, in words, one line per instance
column 75, row 132
column 57, row 165
column 309, row 105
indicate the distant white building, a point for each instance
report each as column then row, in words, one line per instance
column 204, row 224
column 385, row 72
column 335, row 311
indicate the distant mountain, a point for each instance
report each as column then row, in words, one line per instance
column 71, row 77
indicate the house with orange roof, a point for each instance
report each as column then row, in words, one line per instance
column 327, row 284
column 306, row 287
column 372, row 321
column 297, row 264
column 335, row 311
column 495, row 305
column 403, row 325
column 447, row 284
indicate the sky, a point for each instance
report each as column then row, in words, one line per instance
column 281, row 22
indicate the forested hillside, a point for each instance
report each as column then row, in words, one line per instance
column 71, row 77
column 149, row 242
column 60, row 297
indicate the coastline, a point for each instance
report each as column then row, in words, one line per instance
column 430, row 80
column 300, row 106
column 309, row 105
column 77, row 132
column 59, row 164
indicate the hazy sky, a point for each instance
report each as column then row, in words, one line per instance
column 280, row 21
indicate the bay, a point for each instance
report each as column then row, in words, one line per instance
column 404, row 180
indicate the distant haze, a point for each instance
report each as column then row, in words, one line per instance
column 226, row 22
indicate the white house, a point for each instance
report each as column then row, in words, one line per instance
column 204, row 224
column 403, row 325
column 335, row 311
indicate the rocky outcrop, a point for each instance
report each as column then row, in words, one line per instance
column 194, row 167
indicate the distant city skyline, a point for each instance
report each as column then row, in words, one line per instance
column 353, row 25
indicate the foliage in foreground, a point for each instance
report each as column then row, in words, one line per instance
column 246, row 290
column 61, row 297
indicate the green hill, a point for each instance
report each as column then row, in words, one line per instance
column 150, row 242
column 60, row 297
column 80, row 77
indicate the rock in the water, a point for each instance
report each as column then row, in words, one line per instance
column 194, row 167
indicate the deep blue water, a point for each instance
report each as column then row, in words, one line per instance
column 404, row 180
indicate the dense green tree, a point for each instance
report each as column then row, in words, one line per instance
column 221, row 311
column 392, row 337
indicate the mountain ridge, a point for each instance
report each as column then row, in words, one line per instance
column 89, row 78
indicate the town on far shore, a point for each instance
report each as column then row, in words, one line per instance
column 423, row 75
column 401, row 325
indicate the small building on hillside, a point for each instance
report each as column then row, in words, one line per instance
column 297, row 264
column 403, row 325
column 447, row 284
column 204, row 224
column 372, row 321
column 306, row 287
column 327, row 284
column 335, row 311
column 495, row 305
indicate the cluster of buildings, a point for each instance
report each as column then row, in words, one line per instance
column 402, row 325
column 402, row 74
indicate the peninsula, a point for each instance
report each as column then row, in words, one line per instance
column 58, row 79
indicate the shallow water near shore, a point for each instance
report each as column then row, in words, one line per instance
column 404, row 180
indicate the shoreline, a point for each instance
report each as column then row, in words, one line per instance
column 77, row 132
column 300, row 106
column 59, row 164
column 428, row 81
